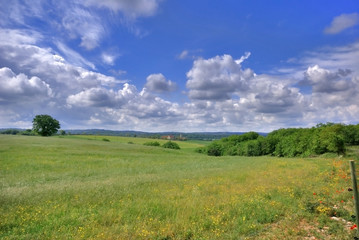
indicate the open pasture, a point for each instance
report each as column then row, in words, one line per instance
column 86, row 188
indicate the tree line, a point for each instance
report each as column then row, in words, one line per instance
column 289, row 142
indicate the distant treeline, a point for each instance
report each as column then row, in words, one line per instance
column 290, row 142
column 12, row 131
column 205, row 136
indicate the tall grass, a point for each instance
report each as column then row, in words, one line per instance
column 76, row 188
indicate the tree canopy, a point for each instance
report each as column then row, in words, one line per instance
column 290, row 142
column 45, row 125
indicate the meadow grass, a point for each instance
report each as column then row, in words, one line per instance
column 82, row 187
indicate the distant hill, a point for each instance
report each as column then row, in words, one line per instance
column 207, row 136
column 189, row 136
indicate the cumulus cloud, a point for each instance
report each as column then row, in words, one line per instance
column 50, row 66
column 331, row 90
column 342, row 22
column 102, row 97
column 323, row 80
column 127, row 108
column 268, row 96
column 217, row 78
column 94, row 97
column 222, row 95
column 158, row 83
column 19, row 88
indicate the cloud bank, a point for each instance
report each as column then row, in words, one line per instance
column 222, row 95
column 42, row 74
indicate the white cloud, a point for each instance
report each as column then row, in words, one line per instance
column 77, row 20
column 267, row 95
column 81, row 23
column 342, row 22
column 245, row 57
column 108, row 59
column 331, row 90
column 50, row 66
column 20, row 88
column 189, row 54
column 131, row 9
column 323, row 80
column 183, row 54
column 94, row 97
column 102, row 97
column 158, row 83
column 73, row 57
column 18, row 11
column 222, row 95
column 217, row 78
column 344, row 57
column 13, row 36
column 126, row 108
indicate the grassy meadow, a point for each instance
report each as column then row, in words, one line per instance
column 85, row 187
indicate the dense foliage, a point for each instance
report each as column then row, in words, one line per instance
column 154, row 144
column 27, row 132
column 290, row 142
column 205, row 136
column 45, row 125
column 171, row 145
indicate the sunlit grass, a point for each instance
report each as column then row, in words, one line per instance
column 75, row 188
column 188, row 146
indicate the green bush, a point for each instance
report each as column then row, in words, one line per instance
column 171, row 145
column 250, row 148
column 201, row 150
column 154, row 144
column 215, row 149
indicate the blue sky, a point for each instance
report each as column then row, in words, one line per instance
column 162, row 65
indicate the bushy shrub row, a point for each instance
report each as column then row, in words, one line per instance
column 27, row 132
column 169, row 144
column 290, row 142
column 154, row 144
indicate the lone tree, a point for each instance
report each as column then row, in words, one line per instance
column 45, row 125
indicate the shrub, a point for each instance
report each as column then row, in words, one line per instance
column 154, row 144
column 171, row 145
column 215, row 149
column 10, row 131
column 250, row 148
column 201, row 150
column 105, row 139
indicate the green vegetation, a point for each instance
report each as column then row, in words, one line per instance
column 27, row 132
column 291, row 142
column 72, row 187
column 154, row 144
column 171, row 145
column 45, row 125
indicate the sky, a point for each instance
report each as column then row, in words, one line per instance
column 179, row 65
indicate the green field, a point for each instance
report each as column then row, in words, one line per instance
column 82, row 187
